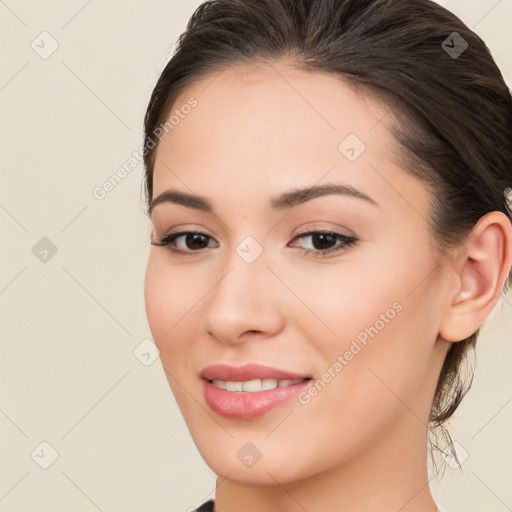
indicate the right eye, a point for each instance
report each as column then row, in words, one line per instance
column 187, row 243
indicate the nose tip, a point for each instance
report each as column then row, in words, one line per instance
column 242, row 306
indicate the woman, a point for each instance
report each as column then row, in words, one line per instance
column 327, row 183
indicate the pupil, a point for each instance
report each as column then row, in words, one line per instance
column 194, row 240
column 323, row 240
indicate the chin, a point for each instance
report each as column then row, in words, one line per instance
column 235, row 464
column 259, row 474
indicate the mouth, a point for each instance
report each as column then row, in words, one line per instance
column 250, row 391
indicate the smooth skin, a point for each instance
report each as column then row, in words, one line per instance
column 360, row 444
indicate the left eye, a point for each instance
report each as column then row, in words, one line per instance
column 322, row 242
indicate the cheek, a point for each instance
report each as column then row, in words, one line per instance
column 376, row 386
column 158, row 296
column 385, row 367
column 169, row 299
column 342, row 302
column 382, row 332
column 169, row 295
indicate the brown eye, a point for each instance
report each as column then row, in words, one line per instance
column 185, row 242
column 326, row 242
column 196, row 241
column 323, row 241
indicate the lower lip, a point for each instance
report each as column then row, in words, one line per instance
column 248, row 405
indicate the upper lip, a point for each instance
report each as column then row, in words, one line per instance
column 247, row 372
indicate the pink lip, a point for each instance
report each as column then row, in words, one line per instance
column 246, row 405
column 247, row 372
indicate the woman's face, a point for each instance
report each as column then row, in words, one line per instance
column 356, row 309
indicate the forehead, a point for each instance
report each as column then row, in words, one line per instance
column 277, row 105
column 273, row 124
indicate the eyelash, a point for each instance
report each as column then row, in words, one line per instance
column 346, row 241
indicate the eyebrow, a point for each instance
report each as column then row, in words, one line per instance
column 285, row 201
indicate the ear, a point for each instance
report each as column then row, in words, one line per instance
column 481, row 271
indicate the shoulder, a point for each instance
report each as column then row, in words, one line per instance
column 207, row 506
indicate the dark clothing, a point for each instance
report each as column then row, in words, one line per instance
column 207, row 506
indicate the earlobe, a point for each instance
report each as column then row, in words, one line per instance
column 482, row 273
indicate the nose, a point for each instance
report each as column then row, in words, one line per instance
column 244, row 304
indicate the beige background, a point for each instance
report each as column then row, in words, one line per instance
column 70, row 325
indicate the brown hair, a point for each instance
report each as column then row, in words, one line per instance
column 454, row 111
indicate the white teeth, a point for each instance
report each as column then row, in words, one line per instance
column 251, row 385
column 255, row 384
column 269, row 384
column 233, row 386
column 219, row 383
